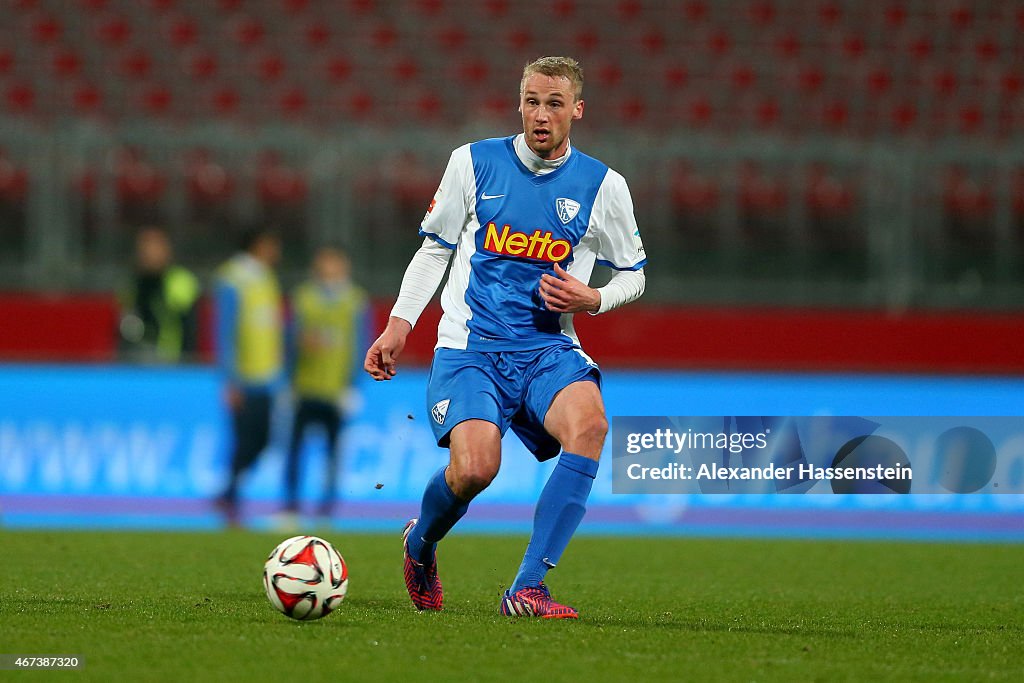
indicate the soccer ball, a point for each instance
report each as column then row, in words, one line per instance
column 305, row 577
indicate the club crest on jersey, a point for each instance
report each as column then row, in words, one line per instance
column 567, row 209
column 440, row 411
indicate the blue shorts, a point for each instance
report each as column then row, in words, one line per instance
column 507, row 388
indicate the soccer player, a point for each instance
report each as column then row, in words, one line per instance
column 526, row 218
column 250, row 350
column 328, row 321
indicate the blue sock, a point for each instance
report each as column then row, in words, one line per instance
column 439, row 512
column 560, row 510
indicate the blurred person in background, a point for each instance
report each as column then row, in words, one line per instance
column 328, row 325
column 250, row 347
column 159, row 321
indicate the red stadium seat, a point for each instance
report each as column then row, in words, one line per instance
column 499, row 106
column 971, row 118
column 692, row 191
column 878, row 80
column 921, row 48
column 293, row 102
column 961, row 16
column 474, row 72
column 836, row 114
column 137, row 179
column 20, row 97
column 114, row 31
column 854, row 46
column 700, row 111
column 496, row 8
column 86, row 99
column 452, row 37
column 248, row 31
column 156, row 100
column 270, row 67
column 830, row 13
column 609, row 74
column 763, row 12
column 225, row 100
column 430, row 8
column 676, row 76
column 653, row 41
column 629, row 10
column 760, row 193
column 811, row 78
column 46, row 29
column 13, row 180
column 827, row 195
column 742, row 77
column 563, row 9
column 208, row 182
column 904, row 116
column 6, row 60
column 767, row 112
column 362, row 7
column 896, row 15
column 279, row 183
column 183, row 31
column 339, row 68
column 67, row 63
column 384, row 37
column 586, row 40
column 200, row 64
column 1017, row 191
column 361, row 105
column 406, row 69
column 1012, row 83
column 295, row 6
column 317, row 33
column 633, row 110
column 427, row 106
column 963, row 196
column 987, row 50
column 695, row 10
column 788, row 45
column 719, row 42
column 945, row 82
column 519, row 39
column 136, row 63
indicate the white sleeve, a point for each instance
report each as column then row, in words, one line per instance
column 424, row 274
column 449, row 209
column 623, row 287
column 619, row 243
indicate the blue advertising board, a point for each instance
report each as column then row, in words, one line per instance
column 84, row 446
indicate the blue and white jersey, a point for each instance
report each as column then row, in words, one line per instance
column 508, row 225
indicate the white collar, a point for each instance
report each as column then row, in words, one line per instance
column 534, row 162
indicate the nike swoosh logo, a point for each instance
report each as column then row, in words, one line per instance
column 490, row 196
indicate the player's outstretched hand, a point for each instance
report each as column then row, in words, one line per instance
column 382, row 357
column 562, row 293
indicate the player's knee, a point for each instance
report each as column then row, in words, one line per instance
column 588, row 435
column 470, row 479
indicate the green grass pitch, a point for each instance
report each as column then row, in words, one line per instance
column 190, row 607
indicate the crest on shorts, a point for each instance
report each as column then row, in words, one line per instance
column 567, row 209
column 440, row 410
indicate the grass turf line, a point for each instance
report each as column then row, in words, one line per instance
column 176, row 607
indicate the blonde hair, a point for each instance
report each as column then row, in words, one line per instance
column 556, row 67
